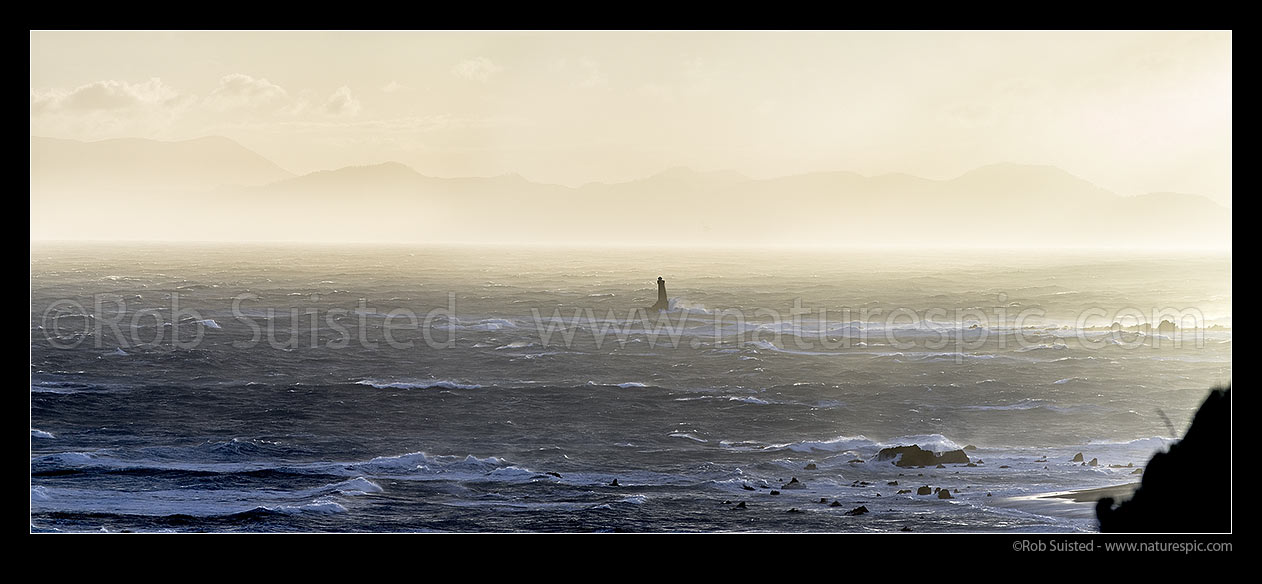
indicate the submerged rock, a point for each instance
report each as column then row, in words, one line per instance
column 970, row 447
column 793, row 484
column 810, row 466
column 903, row 491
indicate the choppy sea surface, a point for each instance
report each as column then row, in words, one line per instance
column 313, row 388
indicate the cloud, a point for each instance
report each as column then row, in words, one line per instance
column 238, row 90
column 478, row 69
column 107, row 95
column 391, row 87
column 342, row 103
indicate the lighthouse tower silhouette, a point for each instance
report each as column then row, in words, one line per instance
column 662, row 302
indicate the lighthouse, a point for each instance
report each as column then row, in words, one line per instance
column 662, row 302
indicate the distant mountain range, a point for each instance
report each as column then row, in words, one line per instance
column 239, row 194
column 139, row 164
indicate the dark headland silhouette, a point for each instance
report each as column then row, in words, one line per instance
column 662, row 303
column 1186, row 489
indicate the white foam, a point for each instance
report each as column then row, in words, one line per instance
column 688, row 436
column 679, row 304
column 1042, row 348
column 356, row 486
column 323, row 506
column 838, row 444
column 490, row 324
column 631, row 384
column 209, row 323
column 41, row 434
column 66, row 459
column 514, row 345
column 932, row 442
column 1063, row 381
column 425, row 384
column 769, row 346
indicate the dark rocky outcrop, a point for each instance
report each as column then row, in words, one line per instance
column 903, row 491
column 944, row 494
column 914, row 455
column 970, row 447
column 1077, row 458
column 793, row 484
column 835, row 503
column 614, row 483
column 925, row 490
column 810, row 466
column 1173, row 498
column 860, row 510
column 1094, row 462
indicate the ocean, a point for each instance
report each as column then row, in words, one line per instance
column 361, row 388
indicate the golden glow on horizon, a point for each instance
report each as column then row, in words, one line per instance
column 1131, row 111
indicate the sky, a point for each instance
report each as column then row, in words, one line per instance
column 1132, row 111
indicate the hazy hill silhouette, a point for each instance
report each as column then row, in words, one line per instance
column 140, row 164
column 1001, row 204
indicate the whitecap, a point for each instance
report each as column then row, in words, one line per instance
column 688, row 436
column 422, row 384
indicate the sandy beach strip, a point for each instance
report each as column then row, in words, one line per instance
column 1116, row 492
